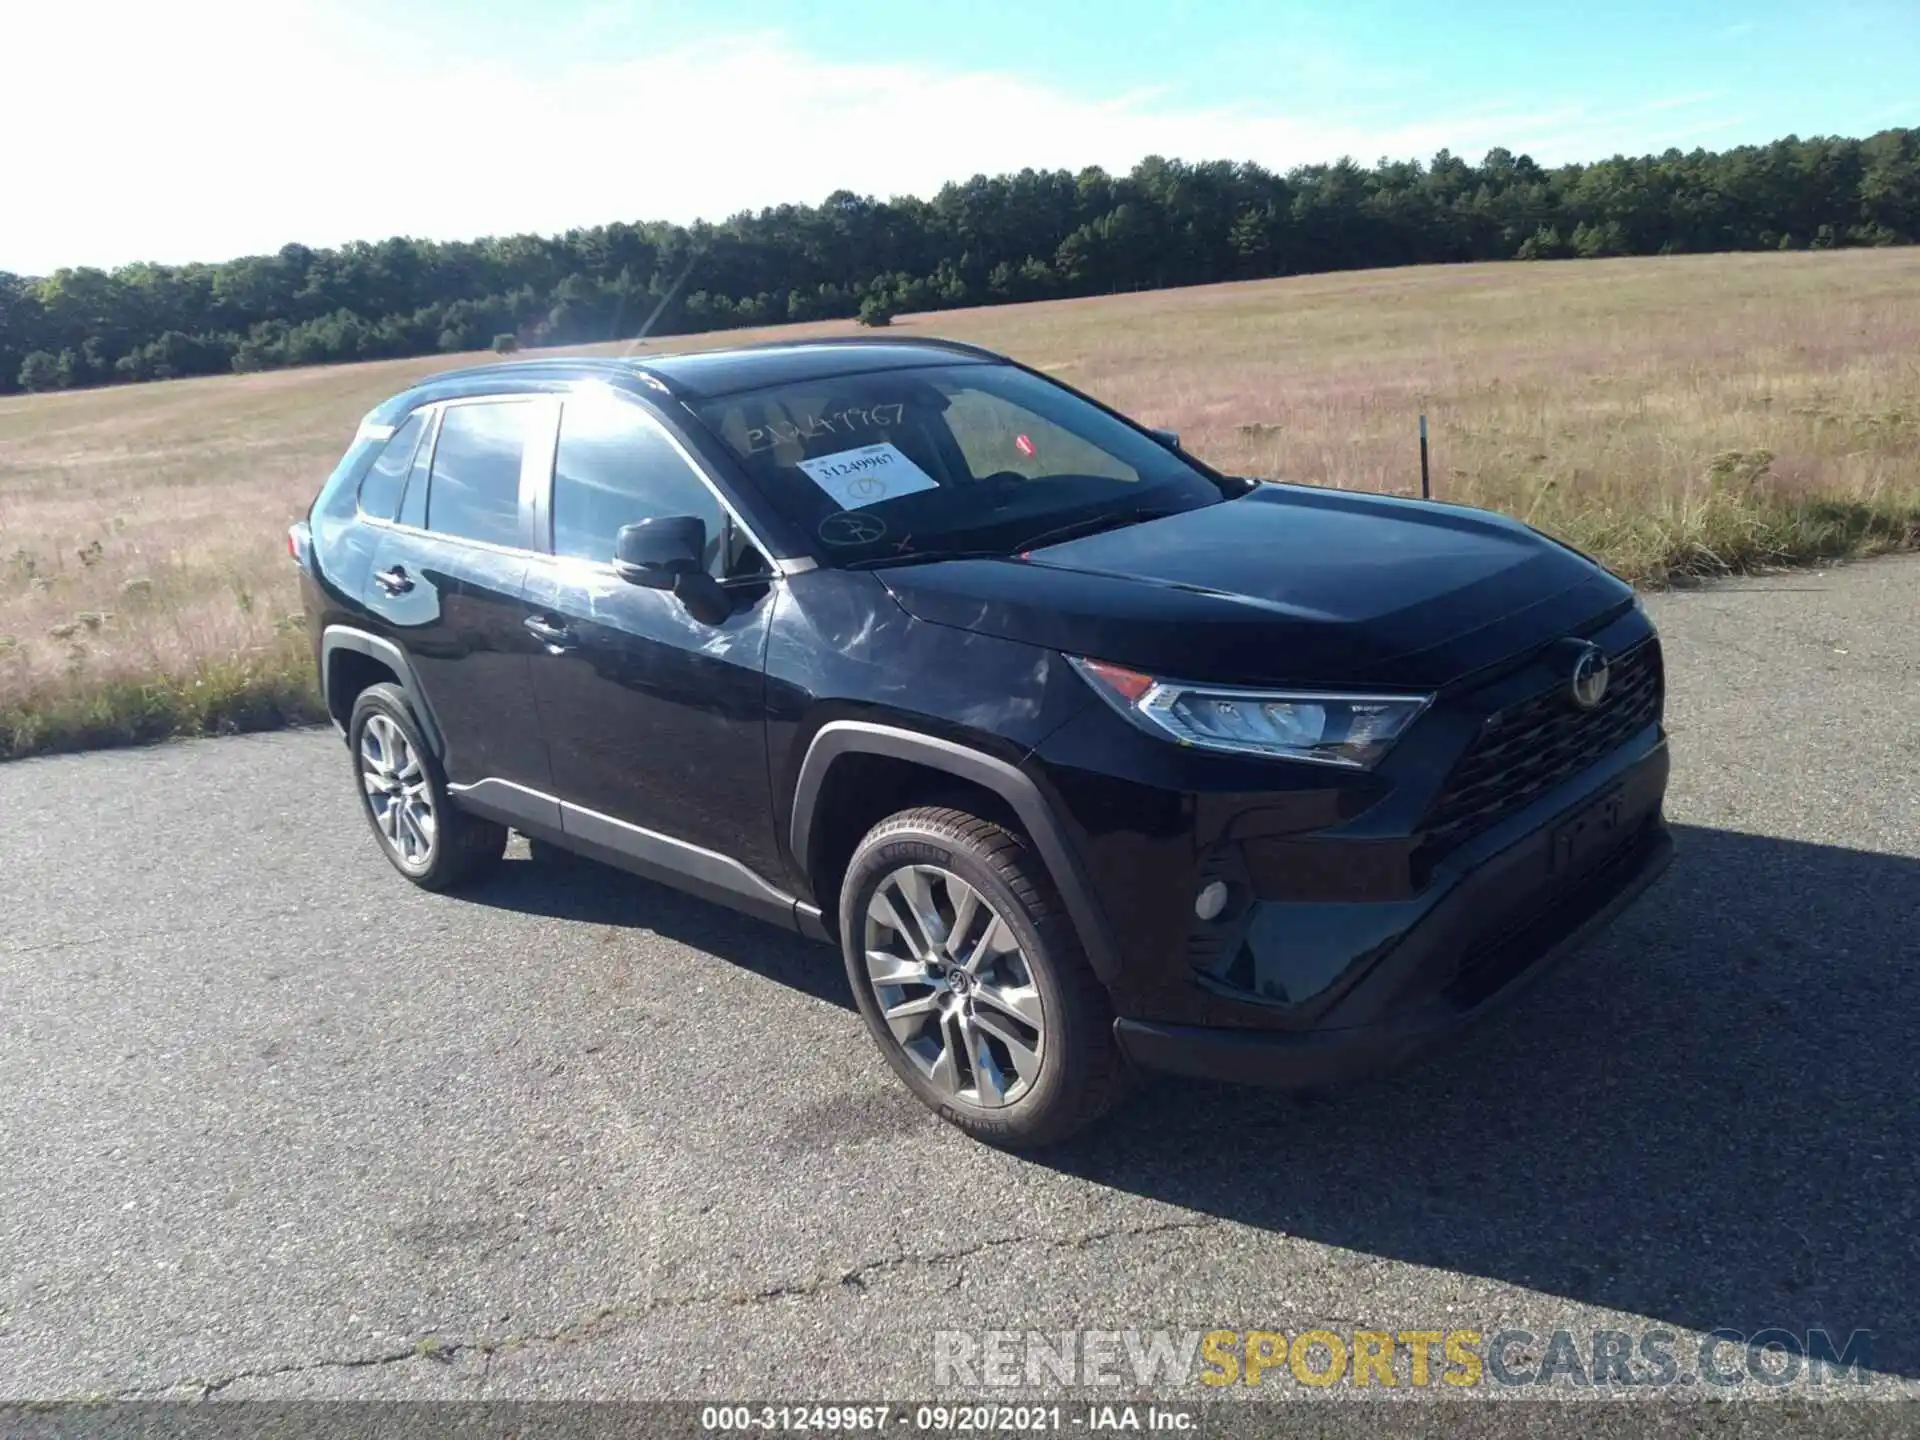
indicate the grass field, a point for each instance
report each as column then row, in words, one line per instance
column 1674, row 417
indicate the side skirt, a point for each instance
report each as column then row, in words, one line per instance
column 639, row 851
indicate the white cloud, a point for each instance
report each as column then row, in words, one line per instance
column 222, row 127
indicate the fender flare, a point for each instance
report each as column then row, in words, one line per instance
column 347, row 637
column 1008, row 781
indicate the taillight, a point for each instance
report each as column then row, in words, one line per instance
column 293, row 545
column 299, row 543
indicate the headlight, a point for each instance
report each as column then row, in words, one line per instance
column 1350, row 730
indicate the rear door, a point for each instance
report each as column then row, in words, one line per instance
column 655, row 721
column 448, row 575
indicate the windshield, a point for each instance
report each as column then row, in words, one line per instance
column 895, row 465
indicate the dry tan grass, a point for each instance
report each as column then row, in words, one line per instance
column 1671, row 416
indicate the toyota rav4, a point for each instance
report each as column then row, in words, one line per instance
column 1091, row 760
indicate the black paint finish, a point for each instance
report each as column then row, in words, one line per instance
column 1286, row 585
column 652, row 717
column 712, row 746
column 461, row 621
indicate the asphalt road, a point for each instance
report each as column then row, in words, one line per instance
column 274, row 1124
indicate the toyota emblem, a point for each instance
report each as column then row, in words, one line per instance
column 1590, row 674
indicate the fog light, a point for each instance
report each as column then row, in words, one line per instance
column 1211, row 900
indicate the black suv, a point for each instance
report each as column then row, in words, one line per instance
column 1089, row 758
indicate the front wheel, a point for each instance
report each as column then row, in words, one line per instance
column 972, row 981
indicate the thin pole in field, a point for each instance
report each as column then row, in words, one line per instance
column 665, row 300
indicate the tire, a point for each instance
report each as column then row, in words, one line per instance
column 950, row 1036
column 403, row 794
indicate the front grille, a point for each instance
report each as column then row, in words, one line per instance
column 1528, row 749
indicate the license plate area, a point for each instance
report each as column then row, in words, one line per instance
column 1591, row 832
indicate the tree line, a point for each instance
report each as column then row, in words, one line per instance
column 1030, row 236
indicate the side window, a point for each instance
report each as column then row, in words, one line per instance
column 474, row 492
column 413, row 505
column 614, row 466
column 380, row 488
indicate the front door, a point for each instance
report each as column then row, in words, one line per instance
column 655, row 721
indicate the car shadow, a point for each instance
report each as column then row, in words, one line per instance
column 1708, row 1118
column 571, row 887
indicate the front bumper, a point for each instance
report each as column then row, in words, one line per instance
column 1500, row 927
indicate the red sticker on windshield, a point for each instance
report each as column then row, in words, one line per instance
column 1023, row 445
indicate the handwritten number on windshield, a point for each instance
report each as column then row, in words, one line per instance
column 849, row 421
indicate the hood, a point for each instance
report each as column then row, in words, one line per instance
column 1285, row 586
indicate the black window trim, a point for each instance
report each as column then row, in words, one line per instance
column 429, row 442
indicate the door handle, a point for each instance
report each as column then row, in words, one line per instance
column 395, row 581
column 553, row 636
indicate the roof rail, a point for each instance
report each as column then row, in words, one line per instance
column 614, row 364
column 932, row 342
column 638, row 367
column 534, row 362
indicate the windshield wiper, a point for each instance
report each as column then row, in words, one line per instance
column 1112, row 520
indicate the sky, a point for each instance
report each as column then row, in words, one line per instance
column 178, row 130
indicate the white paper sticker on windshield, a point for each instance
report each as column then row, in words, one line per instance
column 856, row 478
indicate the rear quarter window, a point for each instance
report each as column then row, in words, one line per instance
column 386, row 478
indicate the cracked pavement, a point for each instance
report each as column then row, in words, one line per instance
column 273, row 1124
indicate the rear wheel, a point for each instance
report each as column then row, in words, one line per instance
column 404, row 796
column 972, row 981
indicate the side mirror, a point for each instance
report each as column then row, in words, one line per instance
column 669, row 553
column 655, row 553
column 1168, row 438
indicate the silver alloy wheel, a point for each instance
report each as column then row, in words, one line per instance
column 954, row 987
column 397, row 792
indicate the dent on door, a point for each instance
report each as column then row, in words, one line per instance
column 653, row 717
